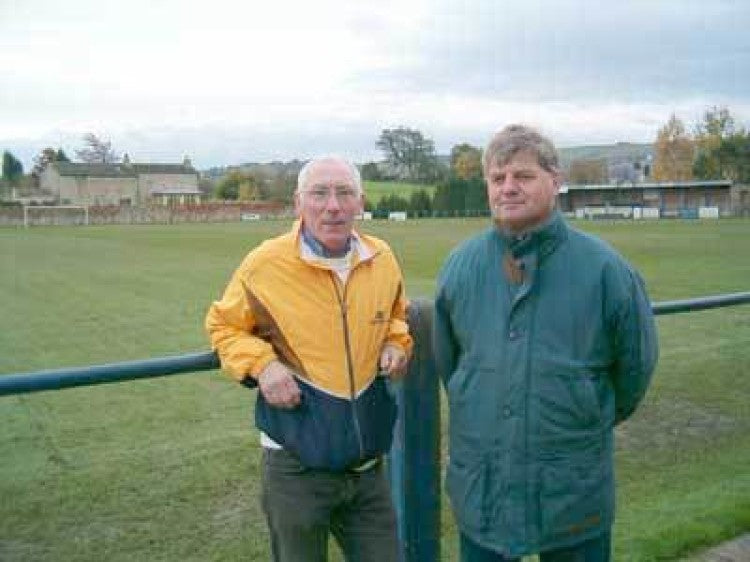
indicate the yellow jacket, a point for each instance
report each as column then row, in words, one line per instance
column 279, row 305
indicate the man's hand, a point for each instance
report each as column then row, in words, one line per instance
column 393, row 361
column 278, row 386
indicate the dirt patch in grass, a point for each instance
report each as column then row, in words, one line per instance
column 234, row 509
column 674, row 423
column 19, row 550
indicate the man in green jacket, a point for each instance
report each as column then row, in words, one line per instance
column 545, row 340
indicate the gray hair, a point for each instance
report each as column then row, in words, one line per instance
column 353, row 170
column 520, row 138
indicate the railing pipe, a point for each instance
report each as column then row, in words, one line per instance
column 57, row 379
column 19, row 383
column 701, row 303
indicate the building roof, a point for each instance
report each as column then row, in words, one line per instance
column 95, row 170
column 711, row 184
column 120, row 170
column 163, row 169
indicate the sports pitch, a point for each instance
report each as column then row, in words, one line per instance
column 166, row 469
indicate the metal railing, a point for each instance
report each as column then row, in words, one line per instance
column 57, row 379
column 414, row 459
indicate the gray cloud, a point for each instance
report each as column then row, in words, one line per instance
column 586, row 71
column 551, row 51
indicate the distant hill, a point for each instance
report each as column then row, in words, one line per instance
column 619, row 153
column 268, row 169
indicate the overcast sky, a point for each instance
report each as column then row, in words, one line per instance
column 238, row 81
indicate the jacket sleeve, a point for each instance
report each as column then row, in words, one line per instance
column 398, row 329
column 444, row 344
column 636, row 348
column 230, row 324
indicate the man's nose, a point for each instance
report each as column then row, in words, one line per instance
column 332, row 201
column 508, row 185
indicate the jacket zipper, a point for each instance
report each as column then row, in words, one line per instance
column 349, row 366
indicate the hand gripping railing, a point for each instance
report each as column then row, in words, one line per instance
column 414, row 459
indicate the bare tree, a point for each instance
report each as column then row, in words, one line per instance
column 409, row 153
column 97, row 151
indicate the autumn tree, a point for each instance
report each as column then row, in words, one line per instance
column 673, row 152
column 723, row 149
column 239, row 185
column 734, row 153
column 588, row 171
column 97, row 151
column 466, row 161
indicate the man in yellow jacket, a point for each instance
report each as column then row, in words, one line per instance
column 311, row 318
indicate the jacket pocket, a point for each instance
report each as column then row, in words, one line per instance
column 568, row 409
column 572, row 499
column 279, row 461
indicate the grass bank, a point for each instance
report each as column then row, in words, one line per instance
column 376, row 190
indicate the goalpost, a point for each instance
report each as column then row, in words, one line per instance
column 53, row 217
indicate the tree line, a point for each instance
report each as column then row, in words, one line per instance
column 458, row 186
column 95, row 150
column 717, row 148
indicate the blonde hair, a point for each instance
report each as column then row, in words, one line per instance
column 516, row 138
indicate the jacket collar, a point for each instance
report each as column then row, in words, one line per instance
column 541, row 240
column 362, row 252
column 318, row 249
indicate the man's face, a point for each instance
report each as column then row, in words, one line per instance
column 521, row 193
column 328, row 203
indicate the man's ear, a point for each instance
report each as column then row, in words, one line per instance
column 361, row 202
column 297, row 204
column 557, row 179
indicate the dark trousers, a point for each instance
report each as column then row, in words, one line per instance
column 304, row 506
column 594, row 550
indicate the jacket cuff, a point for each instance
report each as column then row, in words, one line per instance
column 249, row 382
column 260, row 364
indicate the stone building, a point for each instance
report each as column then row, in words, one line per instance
column 122, row 183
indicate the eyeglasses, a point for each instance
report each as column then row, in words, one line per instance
column 321, row 194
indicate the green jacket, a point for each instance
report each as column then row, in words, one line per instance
column 537, row 375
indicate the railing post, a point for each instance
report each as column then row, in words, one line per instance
column 414, row 459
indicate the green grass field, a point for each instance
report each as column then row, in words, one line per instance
column 376, row 190
column 166, row 469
